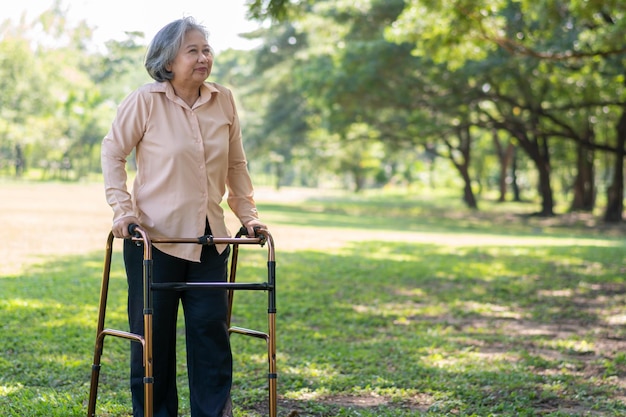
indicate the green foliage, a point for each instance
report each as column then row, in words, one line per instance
column 59, row 95
column 417, row 79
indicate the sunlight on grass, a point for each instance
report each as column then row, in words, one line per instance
column 453, row 240
column 9, row 389
column 402, row 313
column 489, row 310
column 312, row 371
column 74, row 361
column 82, row 318
column 388, row 306
column 258, row 359
column 616, row 320
column 306, row 394
column 469, row 360
column 14, row 305
column 572, row 345
column 385, row 254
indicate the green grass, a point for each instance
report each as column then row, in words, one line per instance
column 400, row 306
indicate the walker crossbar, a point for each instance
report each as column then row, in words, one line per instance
column 141, row 237
column 209, row 285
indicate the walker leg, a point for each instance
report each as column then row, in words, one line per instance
column 271, row 317
column 95, row 376
column 147, row 338
column 232, row 278
column 272, row 376
column 104, row 291
column 148, row 380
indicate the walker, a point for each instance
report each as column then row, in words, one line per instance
column 262, row 238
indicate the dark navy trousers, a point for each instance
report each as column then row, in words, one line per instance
column 209, row 357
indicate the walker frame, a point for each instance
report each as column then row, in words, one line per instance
column 139, row 235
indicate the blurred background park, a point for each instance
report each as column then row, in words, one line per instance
column 444, row 181
column 507, row 100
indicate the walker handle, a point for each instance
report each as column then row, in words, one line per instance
column 132, row 229
column 244, row 231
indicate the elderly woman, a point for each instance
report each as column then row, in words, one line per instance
column 187, row 139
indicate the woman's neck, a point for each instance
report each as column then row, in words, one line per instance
column 188, row 94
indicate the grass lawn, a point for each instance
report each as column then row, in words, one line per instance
column 388, row 305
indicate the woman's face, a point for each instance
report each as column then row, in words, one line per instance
column 193, row 62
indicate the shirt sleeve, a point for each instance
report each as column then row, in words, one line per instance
column 125, row 134
column 240, row 190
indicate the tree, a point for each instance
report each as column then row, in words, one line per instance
column 22, row 112
column 573, row 39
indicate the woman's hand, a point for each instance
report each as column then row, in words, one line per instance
column 120, row 227
column 253, row 224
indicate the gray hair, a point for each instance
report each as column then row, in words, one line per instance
column 165, row 45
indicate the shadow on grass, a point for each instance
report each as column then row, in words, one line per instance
column 410, row 328
column 368, row 330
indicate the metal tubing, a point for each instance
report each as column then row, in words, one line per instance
column 161, row 286
column 271, row 317
column 97, row 354
column 272, row 375
column 212, row 241
column 148, row 380
column 248, row 332
column 140, row 236
column 271, row 343
column 233, row 274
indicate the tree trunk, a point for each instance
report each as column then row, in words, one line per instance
column 19, row 161
column 468, row 194
column 359, row 179
column 545, row 189
column 505, row 156
column 584, row 184
column 540, row 156
column 517, row 197
column 462, row 165
column 278, row 170
column 615, row 192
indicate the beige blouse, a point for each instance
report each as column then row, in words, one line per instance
column 186, row 157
